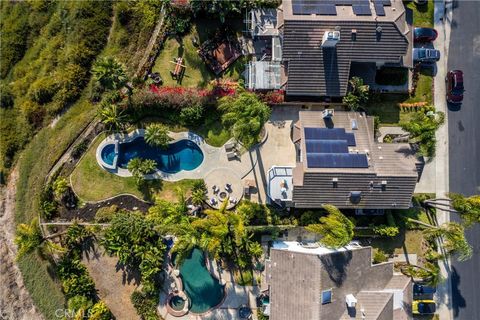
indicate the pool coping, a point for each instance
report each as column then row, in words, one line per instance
column 118, row 138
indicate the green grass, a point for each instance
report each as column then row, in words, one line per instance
column 410, row 242
column 422, row 14
column 197, row 74
column 385, row 105
column 35, row 162
column 92, row 183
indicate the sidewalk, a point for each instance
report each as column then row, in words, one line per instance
column 442, row 25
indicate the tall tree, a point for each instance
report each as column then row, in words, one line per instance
column 451, row 237
column 112, row 117
column 29, row 238
column 421, row 127
column 157, row 135
column 109, row 73
column 139, row 167
column 335, row 228
column 358, row 94
column 245, row 116
column 429, row 273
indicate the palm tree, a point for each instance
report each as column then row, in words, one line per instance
column 139, row 167
column 109, row 73
column 358, row 95
column 429, row 273
column 60, row 187
column 198, row 196
column 421, row 127
column 157, row 135
column 245, row 116
column 113, row 118
column 29, row 238
column 467, row 207
column 336, row 229
column 451, row 236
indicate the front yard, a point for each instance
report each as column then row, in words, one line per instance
column 385, row 105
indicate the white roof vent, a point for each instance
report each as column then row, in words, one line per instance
column 354, row 124
column 328, row 113
column 351, row 300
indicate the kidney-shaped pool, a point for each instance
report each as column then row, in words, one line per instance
column 181, row 155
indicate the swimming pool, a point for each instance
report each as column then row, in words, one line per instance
column 204, row 291
column 181, row 155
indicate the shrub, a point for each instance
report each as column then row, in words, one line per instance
column 310, row 217
column 80, row 149
column 146, row 305
column 244, row 278
column 379, row 257
column 33, row 113
column 6, row 97
column 385, row 231
column 105, row 214
column 191, row 116
column 100, row 311
column 75, row 278
column 43, row 89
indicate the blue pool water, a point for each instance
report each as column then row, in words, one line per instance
column 181, row 155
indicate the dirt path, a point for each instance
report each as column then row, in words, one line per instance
column 113, row 285
column 15, row 301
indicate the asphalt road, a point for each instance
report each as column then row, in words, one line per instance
column 464, row 148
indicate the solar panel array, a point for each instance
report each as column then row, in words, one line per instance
column 328, row 148
column 328, row 7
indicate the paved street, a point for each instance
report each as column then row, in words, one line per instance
column 464, row 150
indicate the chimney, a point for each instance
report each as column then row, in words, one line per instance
column 378, row 31
column 328, row 113
column 330, row 39
column 354, row 34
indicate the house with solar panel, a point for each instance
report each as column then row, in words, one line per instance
column 326, row 42
column 339, row 162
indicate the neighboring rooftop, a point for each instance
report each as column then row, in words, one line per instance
column 262, row 75
column 263, row 22
column 300, row 279
column 341, row 163
column 316, row 69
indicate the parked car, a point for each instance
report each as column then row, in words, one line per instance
column 423, row 307
column 454, row 84
column 424, row 34
column 422, row 290
column 425, row 55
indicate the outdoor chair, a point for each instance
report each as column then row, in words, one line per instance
column 231, row 155
column 229, row 146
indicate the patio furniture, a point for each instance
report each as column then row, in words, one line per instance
column 233, row 200
column 231, row 155
column 228, row 187
column 215, row 189
column 229, row 146
column 179, row 67
column 213, row 201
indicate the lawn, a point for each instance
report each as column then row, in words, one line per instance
column 410, row 242
column 197, row 74
column 422, row 14
column 212, row 129
column 385, row 105
column 92, row 183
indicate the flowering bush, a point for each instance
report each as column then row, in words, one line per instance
column 272, row 97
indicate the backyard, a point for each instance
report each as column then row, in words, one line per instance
column 93, row 183
column 197, row 74
column 422, row 14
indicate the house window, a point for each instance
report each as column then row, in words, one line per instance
column 326, row 296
